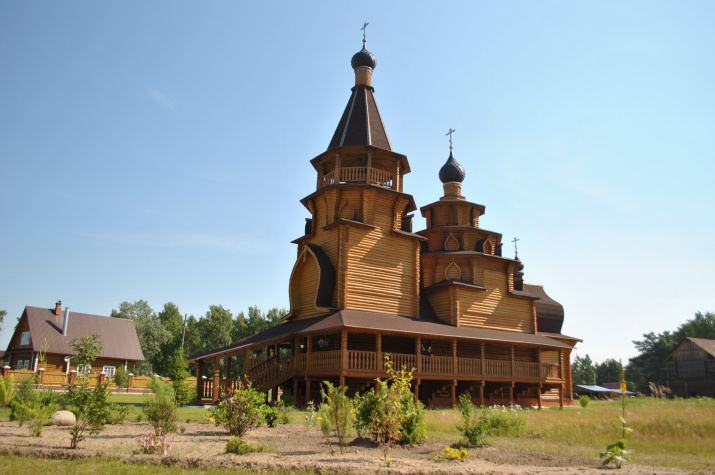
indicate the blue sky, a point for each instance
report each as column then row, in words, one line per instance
column 159, row 150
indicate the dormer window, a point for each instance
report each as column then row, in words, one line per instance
column 25, row 338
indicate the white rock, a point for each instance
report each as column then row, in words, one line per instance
column 63, row 418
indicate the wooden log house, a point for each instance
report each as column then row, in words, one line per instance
column 442, row 301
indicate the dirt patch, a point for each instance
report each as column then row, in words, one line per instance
column 294, row 447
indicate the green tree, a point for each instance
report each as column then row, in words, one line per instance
column 152, row 334
column 172, row 320
column 2, row 317
column 608, row 371
column 583, row 371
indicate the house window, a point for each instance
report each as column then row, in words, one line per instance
column 25, row 338
column 81, row 368
column 23, row 364
column 109, row 370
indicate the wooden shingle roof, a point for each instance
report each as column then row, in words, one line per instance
column 708, row 346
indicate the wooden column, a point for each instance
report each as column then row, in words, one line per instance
column 307, row 391
column 295, row 389
column 308, row 351
column 199, row 380
column 561, row 364
column 229, row 359
column 561, row 397
column 394, row 175
column 246, row 361
column 538, row 395
column 511, row 394
column 417, row 389
column 368, row 168
column 418, row 354
column 541, row 371
column 513, row 365
column 481, row 393
column 337, row 169
column 217, row 368
column 344, row 349
column 454, row 356
column 454, row 393
column 378, row 351
column 483, row 363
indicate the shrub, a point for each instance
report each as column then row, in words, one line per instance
column 160, row 409
column 311, row 414
column 237, row 445
column 584, row 400
column 7, row 390
column 288, row 400
column 501, row 420
column 454, row 454
column 336, row 415
column 121, row 378
column 36, row 414
column 153, row 444
column 89, row 405
column 371, row 410
column 471, row 428
column 271, row 414
column 240, row 410
column 178, row 372
column 24, row 398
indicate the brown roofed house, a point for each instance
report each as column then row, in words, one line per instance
column 443, row 301
column 50, row 331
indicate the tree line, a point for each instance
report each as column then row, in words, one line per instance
column 163, row 337
column 649, row 365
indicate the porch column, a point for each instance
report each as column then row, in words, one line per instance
column 378, row 351
column 541, row 370
column 295, row 389
column 217, row 368
column 417, row 389
column 395, row 169
column 228, row 367
column 344, row 349
column 513, row 365
column 308, row 352
column 561, row 397
column 511, row 394
column 418, row 354
column 454, row 356
column 368, row 168
column 337, row 169
column 538, row 395
column 199, row 381
column 307, row 391
column 561, row 364
column 483, row 367
column 481, row 393
column 454, row 393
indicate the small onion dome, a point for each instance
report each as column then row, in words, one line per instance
column 521, row 264
column 363, row 58
column 451, row 171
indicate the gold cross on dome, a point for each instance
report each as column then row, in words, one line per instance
column 364, row 31
column 516, row 251
column 451, row 131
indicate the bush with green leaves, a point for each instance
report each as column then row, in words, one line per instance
column 121, row 378
column 470, row 427
column 336, row 415
column 89, row 405
column 7, row 390
column 238, row 446
column 240, row 410
column 118, row 413
column 390, row 413
column 25, row 396
column 160, row 408
column 178, row 373
column 584, row 400
column 288, row 400
column 502, row 420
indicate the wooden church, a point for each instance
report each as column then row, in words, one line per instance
column 442, row 301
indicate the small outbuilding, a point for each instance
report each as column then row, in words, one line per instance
column 691, row 368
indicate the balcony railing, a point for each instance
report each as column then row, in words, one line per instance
column 371, row 176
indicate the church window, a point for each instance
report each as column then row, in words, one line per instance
column 25, row 338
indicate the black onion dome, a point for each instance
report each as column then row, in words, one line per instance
column 521, row 264
column 451, row 171
column 363, row 58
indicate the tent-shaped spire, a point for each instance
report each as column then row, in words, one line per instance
column 361, row 123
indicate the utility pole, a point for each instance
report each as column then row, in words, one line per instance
column 183, row 334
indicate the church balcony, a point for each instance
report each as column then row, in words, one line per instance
column 357, row 175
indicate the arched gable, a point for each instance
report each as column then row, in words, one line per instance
column 312, row 283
